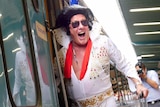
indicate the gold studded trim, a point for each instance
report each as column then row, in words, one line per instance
column 97, row 99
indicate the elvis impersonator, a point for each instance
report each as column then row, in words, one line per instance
column 85, row 57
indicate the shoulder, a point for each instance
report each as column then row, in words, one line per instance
column 61, row 37
column 151, row 72
column 62, row 51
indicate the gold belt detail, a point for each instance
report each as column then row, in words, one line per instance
column 97, row 99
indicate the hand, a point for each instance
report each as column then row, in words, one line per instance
column 141, row 90
column 143, row 75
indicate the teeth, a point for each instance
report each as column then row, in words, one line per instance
column 81, row 32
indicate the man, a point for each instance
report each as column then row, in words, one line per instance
column 85, row 57
column 151, row 81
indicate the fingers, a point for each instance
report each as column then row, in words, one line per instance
column 143, row 94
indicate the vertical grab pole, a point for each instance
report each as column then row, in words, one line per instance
column 60, row 71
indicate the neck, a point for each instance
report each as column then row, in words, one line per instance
column 78, row 47
column 78, row 52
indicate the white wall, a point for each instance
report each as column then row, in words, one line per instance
column 110, row 17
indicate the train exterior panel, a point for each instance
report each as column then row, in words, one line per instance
column 27, row 75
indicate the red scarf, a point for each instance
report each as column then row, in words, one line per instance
column 68, row 61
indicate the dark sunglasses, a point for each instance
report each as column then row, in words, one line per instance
column 76, row 23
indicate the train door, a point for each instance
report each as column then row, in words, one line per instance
column 26, row 73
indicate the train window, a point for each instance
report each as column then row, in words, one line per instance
column 27, row 53
column 43, row 57
column 17, row 52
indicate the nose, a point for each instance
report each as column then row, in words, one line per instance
column 81, row 25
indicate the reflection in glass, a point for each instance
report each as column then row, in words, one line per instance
column 16, row 52
column 42, row 65
column 24, row 89
column 43, row 59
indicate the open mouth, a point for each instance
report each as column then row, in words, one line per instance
column 81, row 34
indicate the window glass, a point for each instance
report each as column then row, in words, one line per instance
column 42, row 53
column 17, row 52
column 3, row 92
column 19, row 60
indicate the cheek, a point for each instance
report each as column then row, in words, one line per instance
column 87, row 31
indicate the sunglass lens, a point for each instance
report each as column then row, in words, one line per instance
column 75, row 24
column 84, row 22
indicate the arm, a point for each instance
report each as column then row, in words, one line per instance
column 139, row 87
column 152, row 79
column 126, row 67
column 152, row 83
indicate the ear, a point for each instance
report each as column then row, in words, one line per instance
column 145, row 70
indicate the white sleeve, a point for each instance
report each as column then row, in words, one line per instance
column 121, row 63
column 153, row 75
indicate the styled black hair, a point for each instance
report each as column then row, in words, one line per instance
column 63, row 19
